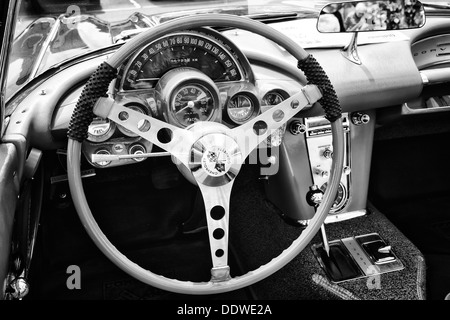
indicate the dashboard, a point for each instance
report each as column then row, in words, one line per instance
column 231, row 77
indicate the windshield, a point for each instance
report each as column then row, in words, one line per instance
column 51, row 32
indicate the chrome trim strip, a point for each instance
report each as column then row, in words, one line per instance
column 8, row 37
column 424, row 77
column 44, row 48
column 338, row 217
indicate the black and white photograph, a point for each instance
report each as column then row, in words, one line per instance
column 224, row 158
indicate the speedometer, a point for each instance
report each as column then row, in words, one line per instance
column 186, row 49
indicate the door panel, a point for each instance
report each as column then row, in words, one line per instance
column 9, row 190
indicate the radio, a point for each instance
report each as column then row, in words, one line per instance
column 320, row 151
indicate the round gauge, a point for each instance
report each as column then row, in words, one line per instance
column 273, row 98
column 126, row 131
column 192, row 103
column 100, row 130
column 241, row 108
column 340, row 199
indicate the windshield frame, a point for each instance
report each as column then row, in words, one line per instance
column 9, row 12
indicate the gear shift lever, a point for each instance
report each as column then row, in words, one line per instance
column 335, row 259
column 314, row 198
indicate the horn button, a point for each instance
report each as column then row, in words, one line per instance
column 215, row 159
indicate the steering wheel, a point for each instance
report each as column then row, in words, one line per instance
column 196, row 148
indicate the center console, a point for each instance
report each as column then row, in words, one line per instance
column 305, row 160
column 357, row 257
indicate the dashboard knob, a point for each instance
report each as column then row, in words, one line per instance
column 346, row 170
column 320, row 172
column 103, row 152
column 137, row 149
column 296, row 127
column 327, row 153
column 359, row 118
column 20, row 288
column 314, row 196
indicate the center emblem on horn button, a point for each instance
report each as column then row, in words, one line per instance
column 216, row 161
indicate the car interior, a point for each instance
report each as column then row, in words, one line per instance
column 342, row 200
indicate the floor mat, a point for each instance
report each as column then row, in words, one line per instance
column 102, row 280
column 426, row 222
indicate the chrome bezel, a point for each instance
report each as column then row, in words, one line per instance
column 254, row 104
column 173, row 81
column 105, row 136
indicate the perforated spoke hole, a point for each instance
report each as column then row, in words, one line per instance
column 219, row 253
column 144, row 125
column 260, row 127
column 218, row 234
column 278, row 115
column 217, row 212
column 123, row 116
column 164, row 135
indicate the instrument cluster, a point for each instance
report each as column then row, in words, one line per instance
column 183, row 78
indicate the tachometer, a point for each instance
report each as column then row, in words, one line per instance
column 186, row 49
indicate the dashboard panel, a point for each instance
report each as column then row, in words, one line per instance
column 205, row 75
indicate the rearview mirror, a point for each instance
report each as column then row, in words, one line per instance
column 371, row 16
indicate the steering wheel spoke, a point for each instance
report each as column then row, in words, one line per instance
column 172, row 139
column 252, row 133
column 217, row 207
